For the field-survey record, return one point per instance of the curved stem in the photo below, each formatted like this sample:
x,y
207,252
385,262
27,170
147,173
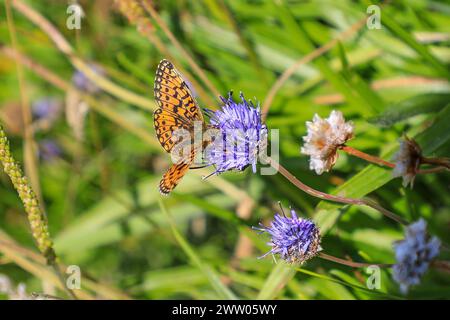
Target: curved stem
x,y
351,263
330,197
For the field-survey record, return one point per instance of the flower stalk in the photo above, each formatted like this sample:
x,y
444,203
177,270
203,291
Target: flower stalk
x,y
442,163
36,218
367,157
352,263
325,196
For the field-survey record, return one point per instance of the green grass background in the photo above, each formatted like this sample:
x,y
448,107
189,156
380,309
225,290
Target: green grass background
x,y
101,195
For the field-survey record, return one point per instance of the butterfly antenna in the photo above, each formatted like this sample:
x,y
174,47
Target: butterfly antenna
x,y
281,208
209,175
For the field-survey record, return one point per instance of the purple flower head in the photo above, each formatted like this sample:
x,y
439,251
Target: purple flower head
x,y
294,239
49,150
83,83
241,135
414,254
46,108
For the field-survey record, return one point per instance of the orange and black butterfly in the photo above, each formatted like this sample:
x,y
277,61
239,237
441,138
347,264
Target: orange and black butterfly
x,y
177,110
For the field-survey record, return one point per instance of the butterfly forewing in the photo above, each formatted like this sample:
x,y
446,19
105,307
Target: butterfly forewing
x,y
177,110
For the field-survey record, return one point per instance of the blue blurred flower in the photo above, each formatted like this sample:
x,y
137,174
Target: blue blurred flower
x,y
241,135
46,108
83,83
294,239
414,254
49,150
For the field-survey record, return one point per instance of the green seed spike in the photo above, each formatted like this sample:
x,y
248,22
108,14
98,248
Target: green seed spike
x,y
36,217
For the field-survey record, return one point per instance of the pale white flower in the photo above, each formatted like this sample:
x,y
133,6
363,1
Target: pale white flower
x,y
407,161
7,288
324,137
414,255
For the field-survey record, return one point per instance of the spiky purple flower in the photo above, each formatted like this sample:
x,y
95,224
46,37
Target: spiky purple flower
x,y
240,138
414,254
294,239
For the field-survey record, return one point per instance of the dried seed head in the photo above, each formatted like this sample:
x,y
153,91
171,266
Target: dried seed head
x,y
407,161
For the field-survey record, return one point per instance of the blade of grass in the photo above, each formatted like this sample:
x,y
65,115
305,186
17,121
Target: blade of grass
x,y
351,285
305,59
337,80
29,147
148,6
425,103
276,281
213,277
34,263
65,47
422,50
214,210
245,41
94,103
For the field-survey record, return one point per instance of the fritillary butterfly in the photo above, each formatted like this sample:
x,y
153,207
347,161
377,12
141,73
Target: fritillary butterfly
x,y
177,110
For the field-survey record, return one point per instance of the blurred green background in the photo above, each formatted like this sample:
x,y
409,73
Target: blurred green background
x,y
96,163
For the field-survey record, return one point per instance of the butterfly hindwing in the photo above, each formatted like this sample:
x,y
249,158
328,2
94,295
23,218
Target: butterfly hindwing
x,y
171,178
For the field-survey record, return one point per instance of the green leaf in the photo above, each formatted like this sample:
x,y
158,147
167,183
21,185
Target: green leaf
x,y
425,103
306,45
213,209
103,223
351,284
406,37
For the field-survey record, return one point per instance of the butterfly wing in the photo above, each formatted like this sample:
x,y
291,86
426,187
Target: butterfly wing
x,y
172,177
173,94
177,110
